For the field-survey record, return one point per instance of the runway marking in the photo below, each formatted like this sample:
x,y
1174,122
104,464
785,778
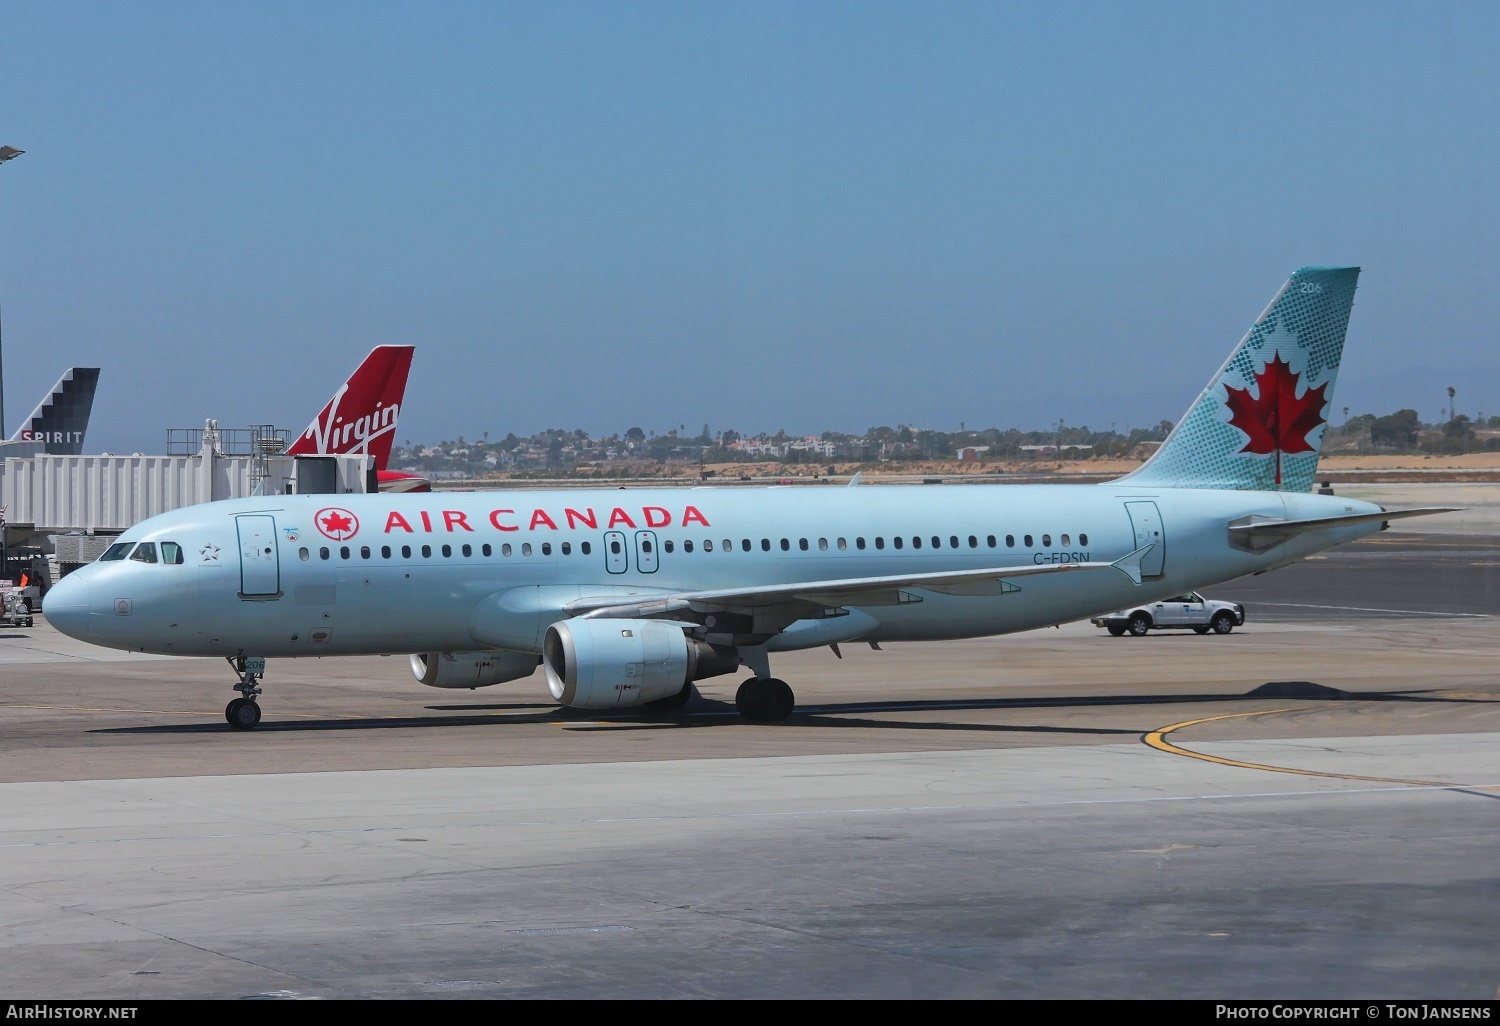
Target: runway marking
x,y
1367,609
1157,739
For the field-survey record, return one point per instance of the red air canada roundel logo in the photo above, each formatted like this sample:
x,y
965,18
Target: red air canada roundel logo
x,y
338,524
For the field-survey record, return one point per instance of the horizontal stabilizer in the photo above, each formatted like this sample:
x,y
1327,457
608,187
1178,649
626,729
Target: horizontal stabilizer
x,y
1281,528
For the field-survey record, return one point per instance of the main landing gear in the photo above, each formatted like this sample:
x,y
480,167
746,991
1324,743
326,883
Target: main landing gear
x,y
764,700
244,713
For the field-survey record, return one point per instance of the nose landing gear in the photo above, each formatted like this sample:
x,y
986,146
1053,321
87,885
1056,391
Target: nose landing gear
x,y
244,713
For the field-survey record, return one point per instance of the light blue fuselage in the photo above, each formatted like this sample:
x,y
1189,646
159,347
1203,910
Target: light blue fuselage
x,y
261,576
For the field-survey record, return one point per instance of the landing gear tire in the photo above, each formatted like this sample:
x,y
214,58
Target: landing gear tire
x,y
765,700
1115,629
1223,623
242,714
1139,625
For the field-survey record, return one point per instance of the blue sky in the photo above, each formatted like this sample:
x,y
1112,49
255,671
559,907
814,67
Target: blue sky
x,y
810,216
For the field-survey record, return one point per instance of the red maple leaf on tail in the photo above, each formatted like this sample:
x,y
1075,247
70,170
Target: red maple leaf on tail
x,y
1277,421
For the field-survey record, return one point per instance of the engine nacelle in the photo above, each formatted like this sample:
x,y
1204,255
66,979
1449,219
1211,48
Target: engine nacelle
x,y
612,664
471,669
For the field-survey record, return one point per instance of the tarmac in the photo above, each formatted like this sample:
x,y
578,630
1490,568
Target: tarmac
x,y
1300,809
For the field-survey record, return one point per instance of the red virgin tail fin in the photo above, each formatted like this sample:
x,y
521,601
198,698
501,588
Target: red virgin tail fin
x,y
361,416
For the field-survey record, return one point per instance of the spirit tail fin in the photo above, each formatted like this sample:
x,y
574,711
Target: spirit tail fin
x,y
61,418
1259,423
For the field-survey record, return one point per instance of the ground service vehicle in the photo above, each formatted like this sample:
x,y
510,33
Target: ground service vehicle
x,y
1180,612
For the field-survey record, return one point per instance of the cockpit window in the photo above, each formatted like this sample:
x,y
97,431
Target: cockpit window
x,y
171,552
119,550
145,552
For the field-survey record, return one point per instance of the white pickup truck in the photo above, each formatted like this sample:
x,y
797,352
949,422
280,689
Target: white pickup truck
x,y
1182,612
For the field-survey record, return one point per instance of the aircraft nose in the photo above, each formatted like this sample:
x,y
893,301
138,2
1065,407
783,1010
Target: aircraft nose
x,y
66,606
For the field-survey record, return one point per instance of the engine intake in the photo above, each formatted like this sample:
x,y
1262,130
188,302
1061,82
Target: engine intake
x,y
614,664
471,669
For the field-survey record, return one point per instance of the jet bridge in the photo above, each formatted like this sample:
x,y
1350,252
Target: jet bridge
x,y
72,506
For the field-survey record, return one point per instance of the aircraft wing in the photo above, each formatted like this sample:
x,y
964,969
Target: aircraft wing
x,y
869,591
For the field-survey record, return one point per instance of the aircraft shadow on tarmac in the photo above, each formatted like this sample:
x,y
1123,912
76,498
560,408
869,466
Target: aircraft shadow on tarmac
x,y
702,712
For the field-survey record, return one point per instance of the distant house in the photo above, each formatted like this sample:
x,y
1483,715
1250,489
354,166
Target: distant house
x,y
972,452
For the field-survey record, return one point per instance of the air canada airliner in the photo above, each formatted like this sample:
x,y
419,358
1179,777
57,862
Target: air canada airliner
x,y
361,418
625,597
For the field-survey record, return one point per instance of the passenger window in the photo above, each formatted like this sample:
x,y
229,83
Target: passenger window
x,y
585,548
171,552
937,542
708,544
567,549
323,552
1027,540
842,544
364,552
526,548
687,545
1010,541
1065,541
666,546
646,547
729,546
802,544
487,551
916,542
505,550
989,540
765,545
547,548
119,550
406,552
1083,539
880,543
973,542
896,541
385,552
145,552
343,552
302,553
447,551
1046,541
426,551
785,545
467,550
614,547
859,543
953,541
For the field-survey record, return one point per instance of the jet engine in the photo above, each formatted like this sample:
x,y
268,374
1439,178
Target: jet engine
x,y
612,664
471,669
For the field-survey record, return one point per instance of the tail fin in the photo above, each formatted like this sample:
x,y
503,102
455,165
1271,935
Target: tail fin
x,y
60,419
361,416
1259,423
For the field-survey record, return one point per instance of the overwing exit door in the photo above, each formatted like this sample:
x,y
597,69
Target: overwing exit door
x,y
645,551
615,557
